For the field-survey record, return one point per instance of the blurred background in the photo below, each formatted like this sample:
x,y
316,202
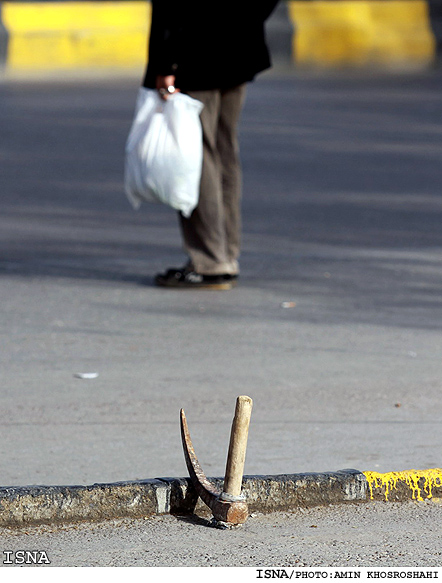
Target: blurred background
x,y
335,328
57,37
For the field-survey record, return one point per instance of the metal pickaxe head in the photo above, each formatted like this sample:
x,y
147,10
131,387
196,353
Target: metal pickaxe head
x,y
227,506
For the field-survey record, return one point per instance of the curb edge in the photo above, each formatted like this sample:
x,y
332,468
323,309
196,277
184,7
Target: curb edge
x,y
33,505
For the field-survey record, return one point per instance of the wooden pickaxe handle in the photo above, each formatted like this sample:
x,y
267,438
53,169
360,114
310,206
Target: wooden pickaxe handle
x,y
237,447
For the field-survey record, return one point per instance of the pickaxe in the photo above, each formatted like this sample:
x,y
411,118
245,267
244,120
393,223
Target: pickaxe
x,y
228,507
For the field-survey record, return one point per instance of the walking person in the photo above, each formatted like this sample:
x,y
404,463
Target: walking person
x,y
210,51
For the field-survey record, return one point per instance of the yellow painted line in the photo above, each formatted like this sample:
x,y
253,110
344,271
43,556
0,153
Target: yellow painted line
x,y
68,35
421,483
361,32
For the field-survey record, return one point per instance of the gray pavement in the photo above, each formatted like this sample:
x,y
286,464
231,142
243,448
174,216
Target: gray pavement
x,y
342,219
393,536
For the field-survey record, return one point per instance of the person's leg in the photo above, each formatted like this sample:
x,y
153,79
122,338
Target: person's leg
x,y
212,234
232,101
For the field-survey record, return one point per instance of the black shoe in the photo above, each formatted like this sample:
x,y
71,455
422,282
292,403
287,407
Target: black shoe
x,y
184,279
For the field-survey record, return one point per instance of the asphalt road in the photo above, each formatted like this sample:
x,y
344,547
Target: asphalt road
x,y
342,222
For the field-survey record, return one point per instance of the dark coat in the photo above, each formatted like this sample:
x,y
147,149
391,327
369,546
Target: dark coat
x,y
208,44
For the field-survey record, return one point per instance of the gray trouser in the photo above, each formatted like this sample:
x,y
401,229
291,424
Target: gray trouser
x,y
212,233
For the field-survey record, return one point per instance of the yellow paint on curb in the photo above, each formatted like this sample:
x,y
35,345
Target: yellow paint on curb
x,y
421,483
330,33
70,35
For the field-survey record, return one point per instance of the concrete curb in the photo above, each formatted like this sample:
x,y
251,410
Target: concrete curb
x,y
21,506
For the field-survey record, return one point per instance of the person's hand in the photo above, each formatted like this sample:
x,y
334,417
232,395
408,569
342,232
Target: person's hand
x,y
166,86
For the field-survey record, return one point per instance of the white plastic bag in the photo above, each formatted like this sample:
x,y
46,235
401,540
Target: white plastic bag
x,y
164,151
